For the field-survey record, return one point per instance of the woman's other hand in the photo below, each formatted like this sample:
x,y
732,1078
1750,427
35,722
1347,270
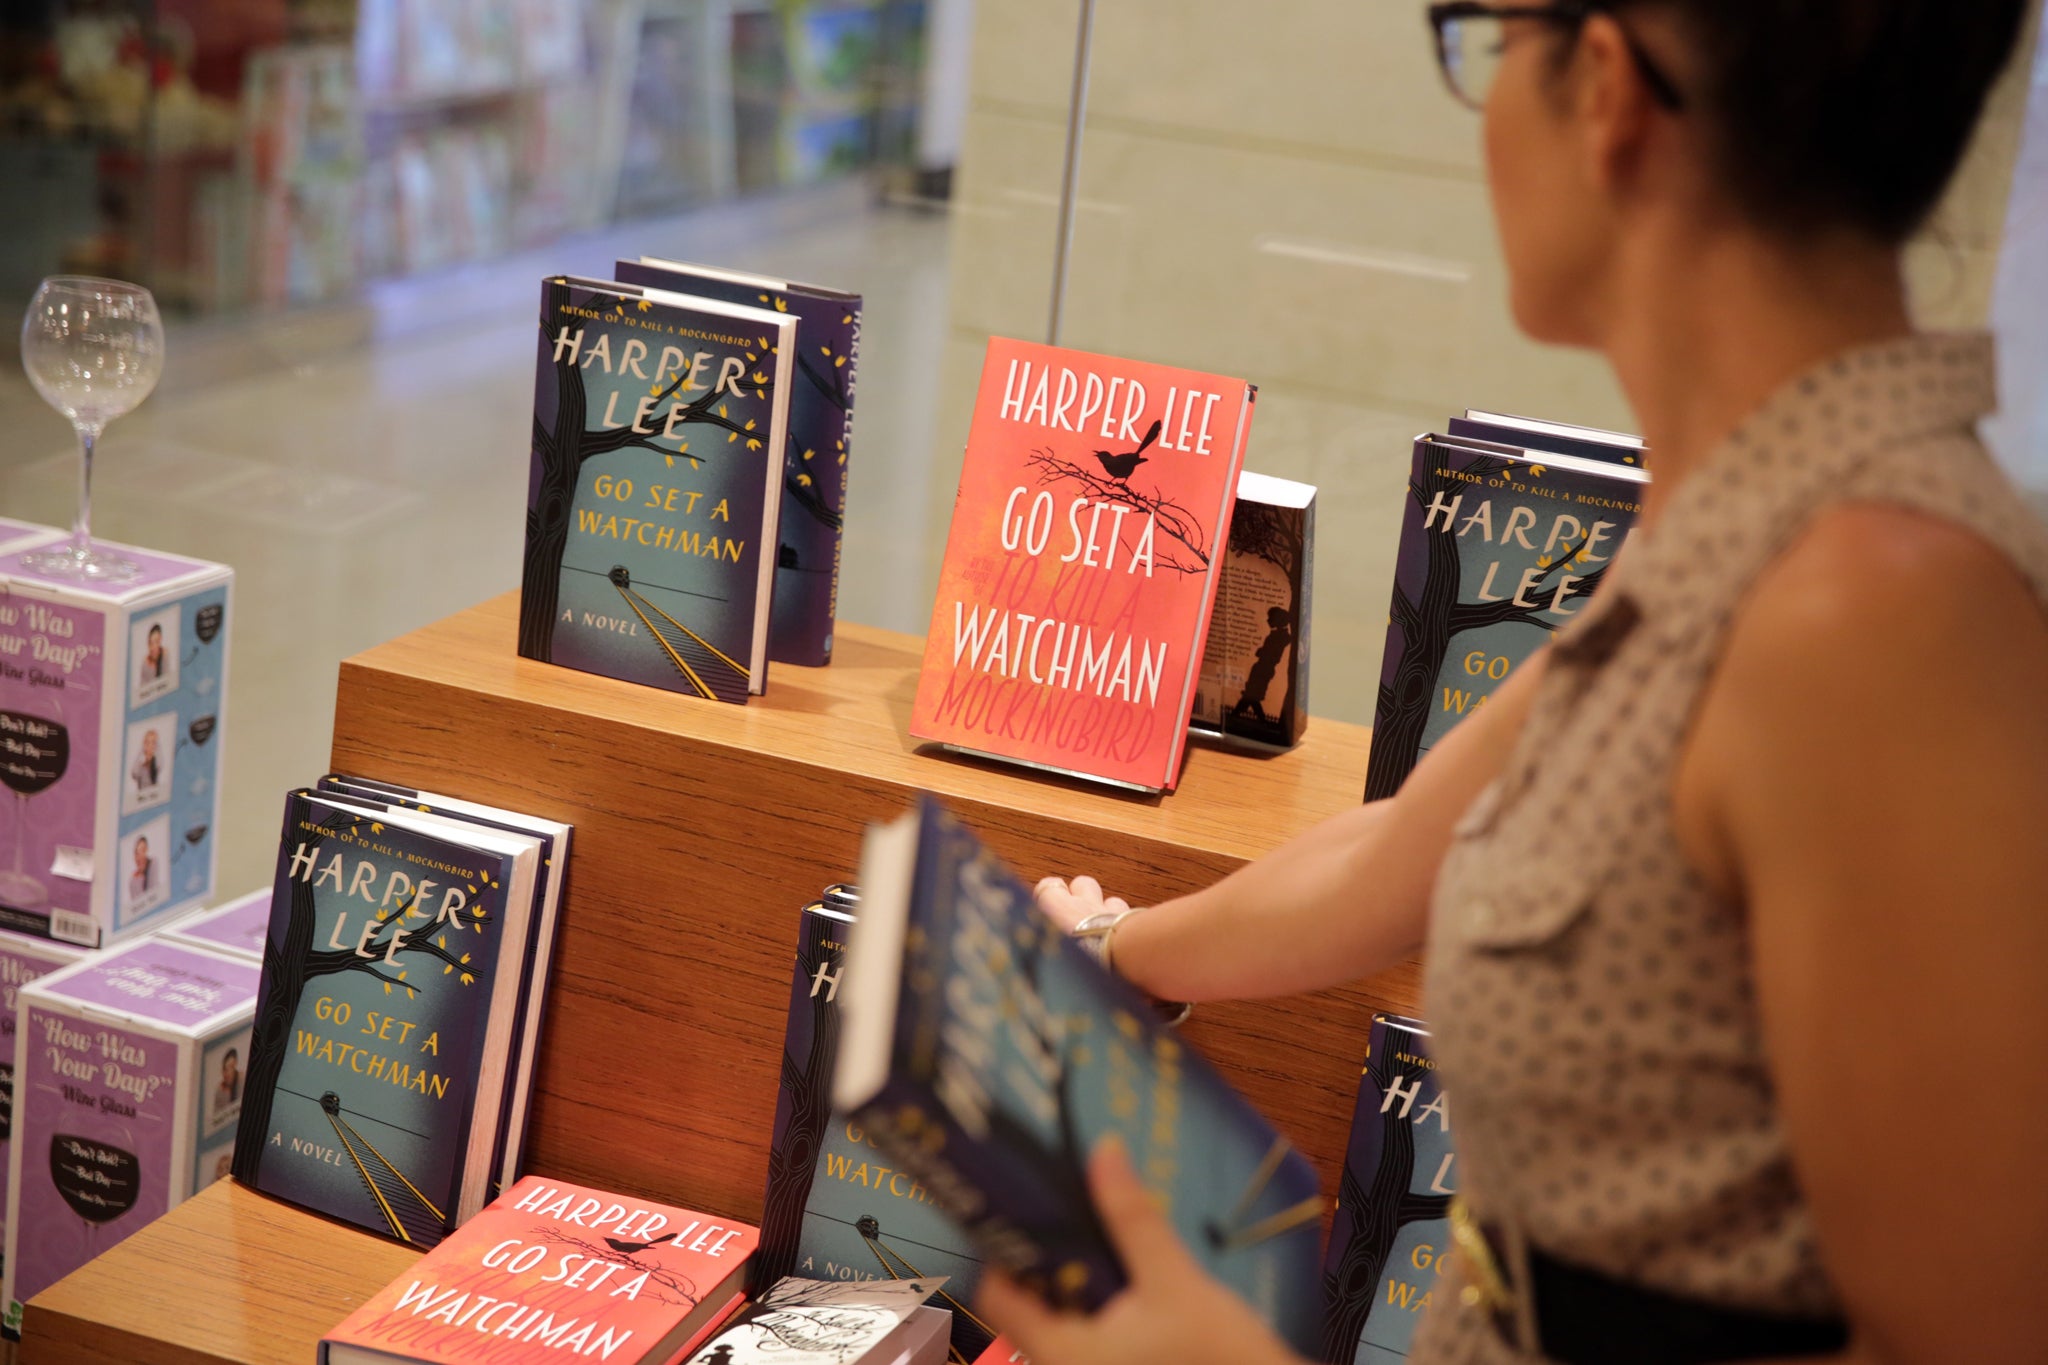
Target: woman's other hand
x,y
1171,1309
1067,903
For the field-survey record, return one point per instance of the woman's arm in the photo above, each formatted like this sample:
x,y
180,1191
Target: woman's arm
x,y
1348,898
1872,763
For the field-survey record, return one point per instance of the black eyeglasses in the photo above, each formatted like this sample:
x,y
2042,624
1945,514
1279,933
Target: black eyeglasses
x,y
1468,45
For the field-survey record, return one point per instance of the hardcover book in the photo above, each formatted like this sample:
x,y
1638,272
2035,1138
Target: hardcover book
x,y
814,456
809,1322
1081,568
837,1208
238,928
390,979
1254,683
128,1080
1559,438
988,1054
1392,1226
530,1009
656,487
112,708
1500,546
553,1271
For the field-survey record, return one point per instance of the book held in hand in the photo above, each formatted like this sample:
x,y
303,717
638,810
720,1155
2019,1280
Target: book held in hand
x,y
128,1079
1392,1226
988,1054
1081,568
837,1208
796,1321
1500,546
1254,686
112,708
385,1028
655,492
553,1271
820,437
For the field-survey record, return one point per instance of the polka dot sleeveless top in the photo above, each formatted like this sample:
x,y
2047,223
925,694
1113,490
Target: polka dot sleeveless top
x,y
1593,1010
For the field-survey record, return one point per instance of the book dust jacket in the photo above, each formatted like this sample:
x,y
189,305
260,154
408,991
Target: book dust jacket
x,y
1499,548
1081,568
553,1271
655,489
377,984
838,1207
1392,1226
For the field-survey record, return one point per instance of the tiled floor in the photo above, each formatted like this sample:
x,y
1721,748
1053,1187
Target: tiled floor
x,y
370,460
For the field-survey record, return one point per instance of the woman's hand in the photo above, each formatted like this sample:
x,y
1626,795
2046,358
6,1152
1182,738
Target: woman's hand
x,y
1171,1309
1067,903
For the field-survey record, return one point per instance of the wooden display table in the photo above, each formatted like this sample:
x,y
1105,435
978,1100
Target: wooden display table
x,y
700,830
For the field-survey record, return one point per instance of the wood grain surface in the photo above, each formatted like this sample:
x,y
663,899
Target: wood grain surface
x,y
701,829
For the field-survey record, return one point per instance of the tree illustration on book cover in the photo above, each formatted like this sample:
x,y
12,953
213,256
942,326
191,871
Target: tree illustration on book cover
x,y
648,492
364,1060
1496,553
1392,1229
1082,563
837,1207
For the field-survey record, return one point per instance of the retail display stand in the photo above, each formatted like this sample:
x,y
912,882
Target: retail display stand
x,y
700,831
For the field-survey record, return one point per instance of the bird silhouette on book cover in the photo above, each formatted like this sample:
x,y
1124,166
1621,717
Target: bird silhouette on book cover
x,y
1082,561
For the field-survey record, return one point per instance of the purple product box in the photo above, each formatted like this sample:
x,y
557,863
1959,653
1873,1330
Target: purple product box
x,y
241,927
128,1084
112,707
22,960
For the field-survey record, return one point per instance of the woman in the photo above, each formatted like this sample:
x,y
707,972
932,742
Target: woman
x,y
1733,896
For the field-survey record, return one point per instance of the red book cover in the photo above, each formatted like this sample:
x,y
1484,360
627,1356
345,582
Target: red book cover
x,y
551,1270
1080,572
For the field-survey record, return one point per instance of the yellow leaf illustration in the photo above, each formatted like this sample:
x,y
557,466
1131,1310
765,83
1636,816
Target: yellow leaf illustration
x,y
837,361
467,979
645,305
1542,561
753,445
387,988
804,479
762,297
750,424
1535,471
721,409
669,460
446,970
683,449
440,940
809,453
731,436
846,321
782,305
376,828
759,378
752,356
827,350
764,343
694,463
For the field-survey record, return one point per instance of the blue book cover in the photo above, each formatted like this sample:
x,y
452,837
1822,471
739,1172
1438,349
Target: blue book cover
x,y
655,488
1500,546
838,1208
807,556
989,1054
375,1021
1392,1226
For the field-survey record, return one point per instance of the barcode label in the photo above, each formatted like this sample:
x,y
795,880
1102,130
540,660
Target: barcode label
x,y
74,928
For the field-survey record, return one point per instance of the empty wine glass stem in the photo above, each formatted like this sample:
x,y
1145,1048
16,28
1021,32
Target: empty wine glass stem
x,y
81,530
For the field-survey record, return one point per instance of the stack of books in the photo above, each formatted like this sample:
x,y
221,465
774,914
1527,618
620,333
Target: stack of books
x,y
688,483
404,972
1510,525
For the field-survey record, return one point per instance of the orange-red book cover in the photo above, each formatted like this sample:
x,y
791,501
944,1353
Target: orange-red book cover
x,y
549,1270
1081,568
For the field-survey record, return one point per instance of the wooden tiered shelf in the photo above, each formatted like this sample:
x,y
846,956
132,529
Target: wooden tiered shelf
x,y
700,830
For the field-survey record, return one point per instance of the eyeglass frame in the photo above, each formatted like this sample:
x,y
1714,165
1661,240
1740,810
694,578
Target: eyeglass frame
x,y
1569,13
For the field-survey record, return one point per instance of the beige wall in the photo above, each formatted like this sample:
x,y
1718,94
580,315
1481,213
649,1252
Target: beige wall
x,y
1284,191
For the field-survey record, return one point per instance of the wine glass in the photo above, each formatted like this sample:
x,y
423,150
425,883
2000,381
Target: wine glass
x,y
93,349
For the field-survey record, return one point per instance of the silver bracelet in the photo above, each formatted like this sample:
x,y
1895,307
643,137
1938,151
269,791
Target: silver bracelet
x,y
1097,934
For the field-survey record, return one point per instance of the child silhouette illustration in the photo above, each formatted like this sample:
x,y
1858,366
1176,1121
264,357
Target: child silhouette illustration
x,y
1279,635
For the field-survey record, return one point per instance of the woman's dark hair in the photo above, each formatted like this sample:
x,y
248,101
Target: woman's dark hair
x,y
1841,113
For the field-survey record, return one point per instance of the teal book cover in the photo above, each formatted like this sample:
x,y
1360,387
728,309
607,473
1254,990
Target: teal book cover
x,y
378,975
1012,1054
1392,1227
655,487
838,1207
1499,548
